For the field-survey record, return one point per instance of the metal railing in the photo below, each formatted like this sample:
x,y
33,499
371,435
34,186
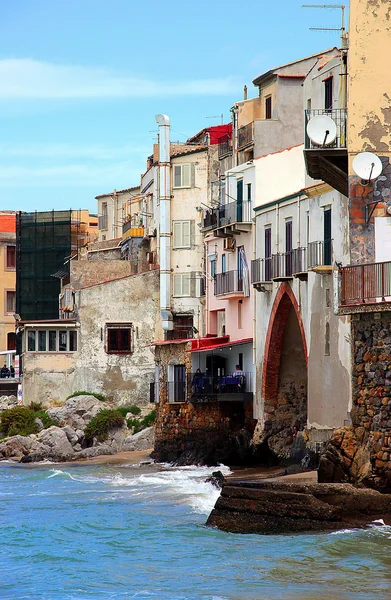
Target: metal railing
x,y
261,270
370,283
320,254
339,116
284,264
225,145
228,283
245,135
228,214
201,386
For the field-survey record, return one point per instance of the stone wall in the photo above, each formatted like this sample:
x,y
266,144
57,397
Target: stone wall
x,y
362,453
208,432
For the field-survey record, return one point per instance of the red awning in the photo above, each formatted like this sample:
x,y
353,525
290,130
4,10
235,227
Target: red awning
x,y
210,344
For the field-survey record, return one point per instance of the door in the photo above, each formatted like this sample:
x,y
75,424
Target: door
x,y
239,200
327,236
268,254
179,383
288,248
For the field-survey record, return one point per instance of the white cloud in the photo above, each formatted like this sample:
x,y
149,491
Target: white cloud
x,y
28,79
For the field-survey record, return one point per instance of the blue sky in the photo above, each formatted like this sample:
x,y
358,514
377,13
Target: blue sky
x,y
81,82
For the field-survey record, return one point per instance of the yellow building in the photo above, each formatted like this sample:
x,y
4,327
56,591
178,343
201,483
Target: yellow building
x,y
7,280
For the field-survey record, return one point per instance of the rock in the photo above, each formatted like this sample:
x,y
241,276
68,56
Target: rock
x,y
8,402
95,451
77,411
39,424
71,434
116,438
17,445
55,444
143,440
285,507
217,479
347,457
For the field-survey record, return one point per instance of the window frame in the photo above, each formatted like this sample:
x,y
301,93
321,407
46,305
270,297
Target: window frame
x,y
6,295
182,167
125,326
268,108
6,249
181,224
47,340
182,293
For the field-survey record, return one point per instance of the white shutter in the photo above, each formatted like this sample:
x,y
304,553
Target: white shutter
x,y
177,234
186,234
177,176
186,181
186,284
177,285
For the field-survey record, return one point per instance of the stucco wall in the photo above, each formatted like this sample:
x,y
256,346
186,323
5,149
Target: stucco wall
x,y
91,272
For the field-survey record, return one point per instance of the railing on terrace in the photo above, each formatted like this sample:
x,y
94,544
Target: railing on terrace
x,y
228,283
197,386
285,264
225,145
320,254
339,116
245,135
228,214
366,284
210,219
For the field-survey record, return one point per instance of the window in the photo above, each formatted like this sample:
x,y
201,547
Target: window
x,y
327,236
240,325
223,263
10,257
10,299
182,231
103,219
213,268
268,107
288,247
328,93
11,341
182,176
182,284
249,192
119,338
268,253
51,340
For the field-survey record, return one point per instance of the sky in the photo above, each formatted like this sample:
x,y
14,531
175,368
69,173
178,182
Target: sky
x,y
82,80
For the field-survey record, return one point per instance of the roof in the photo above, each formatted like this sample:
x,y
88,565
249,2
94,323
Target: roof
x,y
7,223
291,75
217,343
278,151
271,72
188,151
131,189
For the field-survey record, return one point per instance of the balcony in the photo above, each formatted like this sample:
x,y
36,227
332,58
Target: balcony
x,y
366,285
225,146
130,231
199,387
328,162
245,136
234,217
229,284
295,263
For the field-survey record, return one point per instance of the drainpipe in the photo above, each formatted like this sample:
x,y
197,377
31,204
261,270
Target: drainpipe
x,y
165,221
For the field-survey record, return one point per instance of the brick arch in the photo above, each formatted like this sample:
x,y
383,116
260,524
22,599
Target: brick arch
x,y
283,301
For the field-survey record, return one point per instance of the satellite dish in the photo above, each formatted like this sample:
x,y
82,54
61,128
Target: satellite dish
x,y
367,165
322,130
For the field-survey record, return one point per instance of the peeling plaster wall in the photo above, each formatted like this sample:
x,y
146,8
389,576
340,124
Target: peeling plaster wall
x,y
91,272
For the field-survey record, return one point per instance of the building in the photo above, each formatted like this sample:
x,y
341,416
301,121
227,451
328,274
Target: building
x,y
111,212
7,284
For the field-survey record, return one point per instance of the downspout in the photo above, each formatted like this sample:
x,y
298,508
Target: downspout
x,y
165,221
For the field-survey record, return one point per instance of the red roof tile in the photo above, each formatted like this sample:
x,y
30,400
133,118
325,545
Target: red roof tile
x,y
7,223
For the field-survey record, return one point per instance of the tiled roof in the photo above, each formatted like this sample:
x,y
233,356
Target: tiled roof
x,y
7,223
179,152
132,189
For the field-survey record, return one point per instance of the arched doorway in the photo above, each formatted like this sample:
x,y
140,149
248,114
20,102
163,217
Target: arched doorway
x,y
284,381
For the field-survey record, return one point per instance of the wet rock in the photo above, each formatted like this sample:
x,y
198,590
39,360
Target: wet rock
x,y
217,479
285,507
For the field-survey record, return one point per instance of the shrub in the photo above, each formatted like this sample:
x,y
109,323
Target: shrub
x,y
35,406
149,419
18,420
138,425
134,424
100,425
101,397
44,417
124,410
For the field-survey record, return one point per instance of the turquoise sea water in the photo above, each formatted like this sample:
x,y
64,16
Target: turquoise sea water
x,y
138,532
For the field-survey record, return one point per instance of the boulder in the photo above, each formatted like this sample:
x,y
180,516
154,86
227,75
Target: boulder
x,y
18,445
77,411
347,457
143,440
55,444
285,507
8,402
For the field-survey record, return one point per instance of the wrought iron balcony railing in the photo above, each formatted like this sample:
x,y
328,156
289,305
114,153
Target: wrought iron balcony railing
x,y
339,116
366,284
228,283
225,145
245,135
201,386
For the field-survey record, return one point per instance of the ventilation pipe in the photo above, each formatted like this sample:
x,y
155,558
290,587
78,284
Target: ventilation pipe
x,y
165,221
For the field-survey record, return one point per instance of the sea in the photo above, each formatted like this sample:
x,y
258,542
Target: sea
x,y
138,531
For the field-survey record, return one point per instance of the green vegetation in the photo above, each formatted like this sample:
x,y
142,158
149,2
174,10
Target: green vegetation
x,y
101,397
124,410
100,425
20,420
140,424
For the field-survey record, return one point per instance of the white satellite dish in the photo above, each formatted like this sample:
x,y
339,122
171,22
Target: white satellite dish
x,y
322,130
367,165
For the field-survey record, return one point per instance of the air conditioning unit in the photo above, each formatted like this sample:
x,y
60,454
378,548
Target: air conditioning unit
x,y
230,244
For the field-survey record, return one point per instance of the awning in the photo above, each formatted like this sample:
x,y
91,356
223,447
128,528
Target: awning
x,y
210,344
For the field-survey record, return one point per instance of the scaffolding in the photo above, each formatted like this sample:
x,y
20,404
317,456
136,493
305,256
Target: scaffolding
x,y
43,248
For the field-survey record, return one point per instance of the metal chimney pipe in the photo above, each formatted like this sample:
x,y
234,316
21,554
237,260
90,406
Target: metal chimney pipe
x,y
165,221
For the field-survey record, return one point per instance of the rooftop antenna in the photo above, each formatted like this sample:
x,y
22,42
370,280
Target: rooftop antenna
x,y
331,6
217,117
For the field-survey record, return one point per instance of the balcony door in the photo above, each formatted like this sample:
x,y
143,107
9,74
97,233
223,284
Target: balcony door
x,y
239,200
268,254
179,383
288,248
327,236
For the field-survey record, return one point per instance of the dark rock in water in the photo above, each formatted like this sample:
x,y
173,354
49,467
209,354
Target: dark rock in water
x,y
286,507
217,479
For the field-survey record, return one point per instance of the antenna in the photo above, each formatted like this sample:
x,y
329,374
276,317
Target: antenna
x,y
321,130
217,117
368,166
331,6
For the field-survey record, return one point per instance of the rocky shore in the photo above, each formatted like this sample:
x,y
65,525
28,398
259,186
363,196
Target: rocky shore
x,y
266,507
66,441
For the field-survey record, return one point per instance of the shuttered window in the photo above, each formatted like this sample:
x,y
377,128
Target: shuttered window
x,y
183,176
182,284
182,233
